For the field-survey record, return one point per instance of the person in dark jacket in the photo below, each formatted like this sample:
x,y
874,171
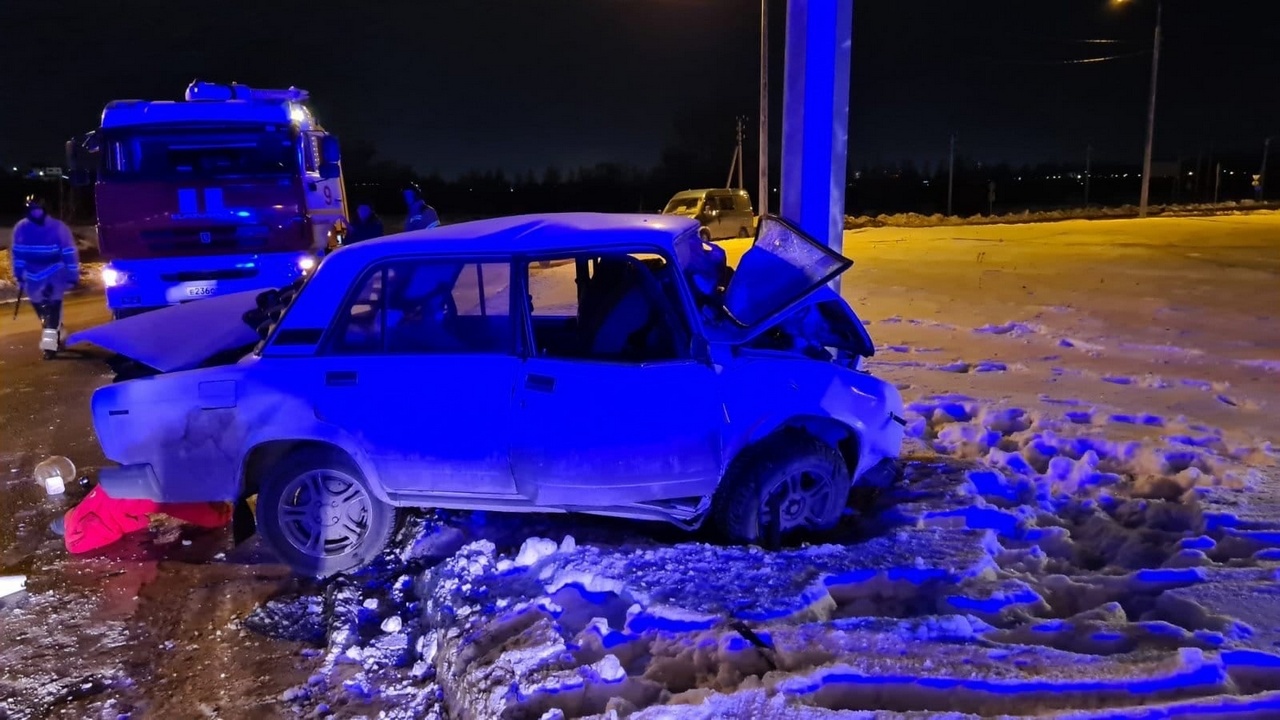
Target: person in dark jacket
x,y
421,215
46,263
366,225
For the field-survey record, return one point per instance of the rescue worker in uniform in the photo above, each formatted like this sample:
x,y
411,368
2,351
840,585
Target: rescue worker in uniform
x,y
366,225
46,264
421,215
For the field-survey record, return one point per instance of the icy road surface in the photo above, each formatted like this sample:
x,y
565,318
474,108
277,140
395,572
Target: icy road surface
x,y
1089,527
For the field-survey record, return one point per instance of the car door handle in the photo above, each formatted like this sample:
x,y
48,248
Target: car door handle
x,y
340,378
540,383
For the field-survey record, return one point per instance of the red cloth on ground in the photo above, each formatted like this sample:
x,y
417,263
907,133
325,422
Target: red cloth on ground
x,y
100,519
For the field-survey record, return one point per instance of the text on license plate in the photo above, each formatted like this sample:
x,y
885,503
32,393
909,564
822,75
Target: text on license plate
x,y
201,290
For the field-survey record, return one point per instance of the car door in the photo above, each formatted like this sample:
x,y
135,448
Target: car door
x,y
598,421
420,367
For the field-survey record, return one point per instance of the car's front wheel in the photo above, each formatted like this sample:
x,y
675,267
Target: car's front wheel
x,y
317,512
787,483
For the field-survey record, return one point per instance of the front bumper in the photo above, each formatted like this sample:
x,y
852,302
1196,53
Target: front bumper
x,y
131,482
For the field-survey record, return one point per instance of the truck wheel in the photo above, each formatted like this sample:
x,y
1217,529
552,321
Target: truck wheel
x,y
791,481
317,512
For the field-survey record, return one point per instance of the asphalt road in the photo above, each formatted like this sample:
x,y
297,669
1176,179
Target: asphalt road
x,y
147,626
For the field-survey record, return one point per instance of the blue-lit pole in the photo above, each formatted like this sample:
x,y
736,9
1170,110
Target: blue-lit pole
x,y
815,117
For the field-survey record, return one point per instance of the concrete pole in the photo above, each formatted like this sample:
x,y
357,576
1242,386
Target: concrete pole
x,y
815,118
762,200
1151,117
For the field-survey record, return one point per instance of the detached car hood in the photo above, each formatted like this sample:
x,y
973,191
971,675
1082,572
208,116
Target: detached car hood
x,y
179,337
783,268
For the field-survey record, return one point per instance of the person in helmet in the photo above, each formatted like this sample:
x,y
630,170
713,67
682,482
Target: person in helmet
x,y
421,215
46,264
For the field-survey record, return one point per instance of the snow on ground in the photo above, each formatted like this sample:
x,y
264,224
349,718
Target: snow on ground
x,y
1088,524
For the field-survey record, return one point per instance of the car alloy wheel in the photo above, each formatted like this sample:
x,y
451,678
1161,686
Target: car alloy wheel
x,y
324,513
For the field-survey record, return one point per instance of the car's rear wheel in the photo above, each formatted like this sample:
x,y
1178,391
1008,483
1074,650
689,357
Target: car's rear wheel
x,y
705,234
317,512
787,483
743,232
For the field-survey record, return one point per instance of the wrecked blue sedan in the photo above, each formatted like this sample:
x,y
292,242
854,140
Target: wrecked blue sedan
x,y
606,364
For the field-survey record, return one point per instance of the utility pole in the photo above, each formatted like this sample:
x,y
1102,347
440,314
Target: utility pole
x,y
1151,116
1262,173
1088,172
741,160
815,118
1217,183
736,163
762,201
951,172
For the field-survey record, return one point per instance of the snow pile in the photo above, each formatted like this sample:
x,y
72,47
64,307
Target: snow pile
x,y
1047,459
916,220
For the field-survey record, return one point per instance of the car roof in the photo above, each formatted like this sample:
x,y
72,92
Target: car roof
x,y
543,233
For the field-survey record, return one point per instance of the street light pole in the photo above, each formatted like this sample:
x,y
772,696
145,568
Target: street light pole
x,y
1151,116
763,198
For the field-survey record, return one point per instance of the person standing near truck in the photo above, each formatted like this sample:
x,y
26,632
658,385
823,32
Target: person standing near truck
x,y
46,264
421,215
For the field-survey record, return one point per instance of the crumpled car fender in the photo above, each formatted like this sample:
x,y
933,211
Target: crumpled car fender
x,y
787,392
294,424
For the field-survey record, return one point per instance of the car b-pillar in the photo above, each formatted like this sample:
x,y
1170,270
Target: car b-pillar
x,y
815,117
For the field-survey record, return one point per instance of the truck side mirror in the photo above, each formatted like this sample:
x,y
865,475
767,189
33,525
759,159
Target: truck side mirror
x,y
82,159
330,157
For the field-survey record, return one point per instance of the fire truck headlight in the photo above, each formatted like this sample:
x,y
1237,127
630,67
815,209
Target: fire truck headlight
x,y
112,277
307,263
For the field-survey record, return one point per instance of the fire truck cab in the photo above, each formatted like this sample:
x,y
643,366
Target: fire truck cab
x,y
232,189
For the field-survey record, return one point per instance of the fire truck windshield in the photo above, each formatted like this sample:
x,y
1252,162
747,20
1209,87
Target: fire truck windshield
x,y
209,152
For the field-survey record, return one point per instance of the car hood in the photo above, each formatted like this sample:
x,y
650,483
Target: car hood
x,y
179,337
783,267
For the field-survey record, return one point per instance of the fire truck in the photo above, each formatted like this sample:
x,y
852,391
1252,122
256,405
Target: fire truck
x,y
231,189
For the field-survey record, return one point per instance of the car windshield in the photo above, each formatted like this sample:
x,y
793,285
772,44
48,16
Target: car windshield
x,y
154,154
682,205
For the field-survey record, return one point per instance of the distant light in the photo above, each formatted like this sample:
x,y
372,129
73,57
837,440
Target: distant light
x,y
307,263
243,213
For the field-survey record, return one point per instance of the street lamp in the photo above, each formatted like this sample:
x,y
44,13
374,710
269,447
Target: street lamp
x,y
1151,109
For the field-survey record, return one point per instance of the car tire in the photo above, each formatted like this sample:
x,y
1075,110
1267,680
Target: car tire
x,y
318,513
793,471
705,234
744,233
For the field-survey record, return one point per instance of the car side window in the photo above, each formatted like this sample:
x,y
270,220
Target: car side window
x,y
428,307
610,307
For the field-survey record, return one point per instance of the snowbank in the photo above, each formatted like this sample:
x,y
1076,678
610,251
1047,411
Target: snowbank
x,y
916,220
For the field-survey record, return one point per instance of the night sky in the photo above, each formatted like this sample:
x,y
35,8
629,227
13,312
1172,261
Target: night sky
x,y
453,85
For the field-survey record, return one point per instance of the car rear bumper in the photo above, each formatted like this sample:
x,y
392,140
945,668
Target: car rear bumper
x,y
131,482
